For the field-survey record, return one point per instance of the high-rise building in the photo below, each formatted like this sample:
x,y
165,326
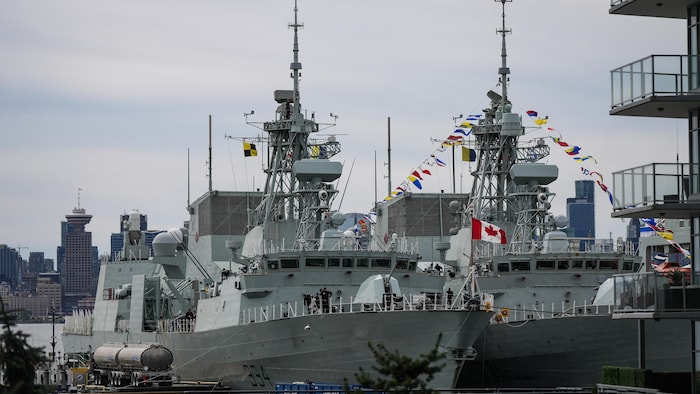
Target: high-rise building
x,y
581,211
34,266
61,250
36,262
78,258
664,190
9,265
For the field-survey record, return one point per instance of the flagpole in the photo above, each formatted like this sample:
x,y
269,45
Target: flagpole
x,y
454,188
210,181
388,151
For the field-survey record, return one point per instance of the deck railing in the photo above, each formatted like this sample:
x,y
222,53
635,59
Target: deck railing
x,y
78,325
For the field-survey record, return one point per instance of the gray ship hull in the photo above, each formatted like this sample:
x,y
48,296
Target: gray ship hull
x,y
571,351
320,348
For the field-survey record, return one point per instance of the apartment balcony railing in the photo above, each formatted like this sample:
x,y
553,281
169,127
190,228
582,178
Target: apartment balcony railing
x,y
654,295
655,75
652,184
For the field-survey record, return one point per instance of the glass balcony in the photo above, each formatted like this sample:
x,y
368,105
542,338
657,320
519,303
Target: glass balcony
x,y
654,294
670,9
651,184
655,75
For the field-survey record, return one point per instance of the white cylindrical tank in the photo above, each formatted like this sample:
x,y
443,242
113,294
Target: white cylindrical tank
x,y
133,357
130,356
105,356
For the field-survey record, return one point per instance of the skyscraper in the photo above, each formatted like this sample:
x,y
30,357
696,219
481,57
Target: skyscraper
x,y
581,211
78,256
9,264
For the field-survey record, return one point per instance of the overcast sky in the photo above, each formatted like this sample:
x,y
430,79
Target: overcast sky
x,y
108,97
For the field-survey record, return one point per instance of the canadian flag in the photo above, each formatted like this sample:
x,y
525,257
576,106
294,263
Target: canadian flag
x,y
487,232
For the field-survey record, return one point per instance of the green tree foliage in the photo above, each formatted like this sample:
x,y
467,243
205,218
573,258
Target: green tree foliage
x,y
17,358
402,374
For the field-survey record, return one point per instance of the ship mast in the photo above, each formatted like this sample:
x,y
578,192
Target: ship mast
x,y
288,135
504,70
496,141
508,189
296,197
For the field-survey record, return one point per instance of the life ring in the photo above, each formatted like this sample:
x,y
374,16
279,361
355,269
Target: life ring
x,y
505,312
488,307
499,318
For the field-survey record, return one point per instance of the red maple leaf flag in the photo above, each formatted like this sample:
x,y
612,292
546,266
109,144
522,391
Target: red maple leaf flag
x,y
487,232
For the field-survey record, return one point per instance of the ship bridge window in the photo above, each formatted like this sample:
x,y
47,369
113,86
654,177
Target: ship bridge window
x,y
503,267
545,264
520,265
401,264
289,263
315,262
273,264
627,265
412,265
637,266
577,264
591,265
362,263
563,265
608,265
334,262
347,263
382,263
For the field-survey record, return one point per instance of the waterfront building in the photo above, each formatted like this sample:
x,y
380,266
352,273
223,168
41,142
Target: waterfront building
x,y
79,257
665,86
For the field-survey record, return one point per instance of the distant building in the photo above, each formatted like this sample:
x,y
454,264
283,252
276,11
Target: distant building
x,y
633,233
79,258
9,265
45,287
581,211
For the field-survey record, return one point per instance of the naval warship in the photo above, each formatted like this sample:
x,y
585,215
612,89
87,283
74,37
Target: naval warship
x,y
549,330
261,288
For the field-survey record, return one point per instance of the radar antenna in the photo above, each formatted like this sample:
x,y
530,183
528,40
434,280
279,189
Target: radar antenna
x,y
296,65
504,70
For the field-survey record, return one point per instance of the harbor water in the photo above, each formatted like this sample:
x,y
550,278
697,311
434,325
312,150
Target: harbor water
x,y
40,336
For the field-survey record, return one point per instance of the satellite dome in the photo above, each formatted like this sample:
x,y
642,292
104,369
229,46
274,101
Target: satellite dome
x,y
179,234
561,221
164,244
337,219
